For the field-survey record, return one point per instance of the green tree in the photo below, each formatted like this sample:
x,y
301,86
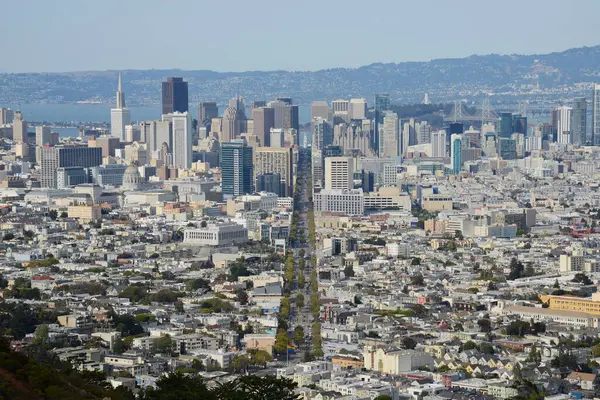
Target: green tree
x,y
119,346
53,214
259,358
281,342
40,336
163,345
241,296
383,397
349,271
409,343
299,335
300,300
239,364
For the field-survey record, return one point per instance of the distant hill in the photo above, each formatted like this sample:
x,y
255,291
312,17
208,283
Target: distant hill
x,y
544,76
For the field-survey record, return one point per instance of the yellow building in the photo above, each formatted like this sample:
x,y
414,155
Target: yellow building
x,y
570,303
85,213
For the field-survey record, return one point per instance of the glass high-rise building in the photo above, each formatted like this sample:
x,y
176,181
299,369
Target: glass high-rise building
x,y
237,168
579,121
174,96
382,103
506,125
595,114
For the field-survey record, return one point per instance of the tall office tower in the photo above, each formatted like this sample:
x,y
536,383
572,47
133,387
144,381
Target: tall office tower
x,y
238,104
285,100
268,160
322,134
19,128
319,109
230,128
357,109
182,140
207,110
263,120
390,140
506,125
423,132
52,158
42,135
519,140
456,152
340,111
473,136
561,124
132,133
237,171
339,173
276,137
438,144
579,121
595,114
108,144
408,136
507,148
257,104
519,124
174,96
120,116
382,103
6,116
280,108
291,117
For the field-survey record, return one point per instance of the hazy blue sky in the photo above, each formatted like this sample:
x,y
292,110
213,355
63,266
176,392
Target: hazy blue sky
x,y
238,35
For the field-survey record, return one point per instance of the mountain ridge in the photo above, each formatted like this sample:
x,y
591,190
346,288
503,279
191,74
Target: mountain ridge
x,y
545,76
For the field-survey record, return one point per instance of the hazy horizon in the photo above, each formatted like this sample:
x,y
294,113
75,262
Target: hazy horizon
x,y
75,36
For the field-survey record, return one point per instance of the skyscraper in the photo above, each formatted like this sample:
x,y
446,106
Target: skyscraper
x,y
506,125
174,96
6,116
19,128
595,114
42,135
236,168
207,110
561,124
230,128
322,134
51,158
438,144
390,140
339,173
357,109
382,103
456,152
268,160
120,116
319,109
264,120
182,140
519,124
579,121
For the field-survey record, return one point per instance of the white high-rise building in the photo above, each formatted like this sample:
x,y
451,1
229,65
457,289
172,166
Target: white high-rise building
x,y
120,116
438,142
182,139
595,114
357,109
389,145
339,173
561,121
42,135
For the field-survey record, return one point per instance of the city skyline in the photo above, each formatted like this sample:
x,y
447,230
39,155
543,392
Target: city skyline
x,y
65,38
